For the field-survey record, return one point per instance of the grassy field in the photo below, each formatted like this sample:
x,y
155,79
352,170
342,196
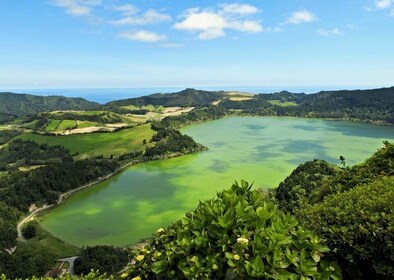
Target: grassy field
x,y
52,243
66,124
30,125
94,144
151,108
282,104
83,124
53,125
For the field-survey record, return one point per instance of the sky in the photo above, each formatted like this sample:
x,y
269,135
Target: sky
x,y
182,43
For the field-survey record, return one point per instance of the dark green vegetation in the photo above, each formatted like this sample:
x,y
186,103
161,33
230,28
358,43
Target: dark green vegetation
x,y
238,235
195,116
43,185
185,98
59,172
376,105
27,260
105,259
20,153
350,208
7,135
8,219
26,104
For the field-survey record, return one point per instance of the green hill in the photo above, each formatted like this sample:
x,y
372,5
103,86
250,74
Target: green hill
x,y
26,104
184,98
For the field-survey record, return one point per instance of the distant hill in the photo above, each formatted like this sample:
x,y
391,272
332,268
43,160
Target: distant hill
x,y
26,104
381,99
185,98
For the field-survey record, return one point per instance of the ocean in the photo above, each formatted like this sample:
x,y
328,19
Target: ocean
x,y
104,95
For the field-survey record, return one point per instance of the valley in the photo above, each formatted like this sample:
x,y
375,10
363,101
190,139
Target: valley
x,y
148,160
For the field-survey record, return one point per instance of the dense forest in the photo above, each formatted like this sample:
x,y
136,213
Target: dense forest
x,y
20,153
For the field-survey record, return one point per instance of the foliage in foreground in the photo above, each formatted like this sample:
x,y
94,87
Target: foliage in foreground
x,y
238,235
104,259
94,275
358,226
351,208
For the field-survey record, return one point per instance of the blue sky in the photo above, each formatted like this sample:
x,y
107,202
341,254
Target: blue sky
x,y
157,43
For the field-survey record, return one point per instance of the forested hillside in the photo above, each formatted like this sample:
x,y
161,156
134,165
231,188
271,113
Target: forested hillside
x,y
184,98
375,105
351,208
26,104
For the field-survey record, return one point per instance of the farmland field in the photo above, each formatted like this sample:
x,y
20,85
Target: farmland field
x,y
94,144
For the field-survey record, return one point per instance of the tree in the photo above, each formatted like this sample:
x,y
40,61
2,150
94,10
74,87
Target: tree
x,y
343,161
29,231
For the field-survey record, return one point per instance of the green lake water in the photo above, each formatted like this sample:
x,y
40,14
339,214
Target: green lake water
x,y
264,150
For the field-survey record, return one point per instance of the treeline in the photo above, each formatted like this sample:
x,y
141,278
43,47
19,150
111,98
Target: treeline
x,y
43,185
19,190
19,153
186,98
172,141
104,117
194,116
375,105
351,208
7,135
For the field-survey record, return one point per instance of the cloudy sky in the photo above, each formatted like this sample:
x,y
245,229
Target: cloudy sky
x,y
157,43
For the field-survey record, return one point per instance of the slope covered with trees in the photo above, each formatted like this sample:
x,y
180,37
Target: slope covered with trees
x,y
351,208
185,98
26,104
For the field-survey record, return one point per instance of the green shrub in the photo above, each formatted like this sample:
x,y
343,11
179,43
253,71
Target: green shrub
x,y
298,188
29,231
358,226
238,235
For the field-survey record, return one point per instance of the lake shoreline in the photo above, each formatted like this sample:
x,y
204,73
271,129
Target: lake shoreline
x,y
64,196
68,194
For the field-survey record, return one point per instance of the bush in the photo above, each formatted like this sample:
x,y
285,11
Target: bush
x,y
29,231
358,226
238,235
297,189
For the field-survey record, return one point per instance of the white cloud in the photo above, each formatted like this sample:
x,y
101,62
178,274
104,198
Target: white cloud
x,y
77,7
332,32
143,36
127,9
383,4
210,24
242,9
131,16
301,16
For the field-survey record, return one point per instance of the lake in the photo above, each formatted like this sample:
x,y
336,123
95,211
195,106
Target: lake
x,y
134,204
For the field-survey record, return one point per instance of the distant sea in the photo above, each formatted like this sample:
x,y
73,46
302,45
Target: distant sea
x,y
104,95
